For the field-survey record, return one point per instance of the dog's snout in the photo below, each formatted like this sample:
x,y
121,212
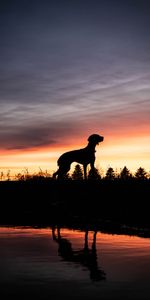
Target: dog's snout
x,y
101,138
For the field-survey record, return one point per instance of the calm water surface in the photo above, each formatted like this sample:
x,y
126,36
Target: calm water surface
x,y
54,264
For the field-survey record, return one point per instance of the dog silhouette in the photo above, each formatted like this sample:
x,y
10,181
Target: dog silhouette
x,y
82,156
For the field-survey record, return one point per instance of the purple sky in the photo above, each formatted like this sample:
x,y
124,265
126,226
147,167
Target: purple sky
x,y
70,66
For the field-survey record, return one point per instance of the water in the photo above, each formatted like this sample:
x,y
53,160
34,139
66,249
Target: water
x,y
71,264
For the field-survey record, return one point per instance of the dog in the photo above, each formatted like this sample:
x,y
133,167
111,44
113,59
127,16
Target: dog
x,y
82,156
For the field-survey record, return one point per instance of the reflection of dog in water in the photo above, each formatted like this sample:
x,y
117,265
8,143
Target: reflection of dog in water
x,y
83,156
86,257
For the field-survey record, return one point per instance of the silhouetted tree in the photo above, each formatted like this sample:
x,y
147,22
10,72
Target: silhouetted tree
x,y
94,174
141,173
125,173
77,173
110,174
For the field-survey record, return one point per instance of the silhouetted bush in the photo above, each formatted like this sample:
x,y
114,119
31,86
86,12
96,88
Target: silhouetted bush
x,y
141,174
77,173
94,174
110,174
125,174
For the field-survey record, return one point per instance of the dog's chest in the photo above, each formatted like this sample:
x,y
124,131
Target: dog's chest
x,y
88,156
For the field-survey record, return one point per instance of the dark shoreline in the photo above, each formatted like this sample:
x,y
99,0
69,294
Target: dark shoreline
x,y
120,207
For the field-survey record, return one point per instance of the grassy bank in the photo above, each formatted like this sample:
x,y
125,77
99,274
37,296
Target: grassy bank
x,y
104,204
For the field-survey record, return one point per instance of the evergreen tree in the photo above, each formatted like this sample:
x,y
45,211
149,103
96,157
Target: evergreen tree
x,y
141,173
110,174
94,174
125,173
77,173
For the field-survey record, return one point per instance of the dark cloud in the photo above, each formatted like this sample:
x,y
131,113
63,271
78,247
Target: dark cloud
x,y
37,135
68,65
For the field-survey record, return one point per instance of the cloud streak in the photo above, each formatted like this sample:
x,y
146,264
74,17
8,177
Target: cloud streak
x,y
60,77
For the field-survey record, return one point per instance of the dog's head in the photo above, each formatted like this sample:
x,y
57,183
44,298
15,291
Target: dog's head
x,y
95,139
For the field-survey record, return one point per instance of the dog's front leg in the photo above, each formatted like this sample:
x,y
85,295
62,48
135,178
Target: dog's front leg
x,y
92,164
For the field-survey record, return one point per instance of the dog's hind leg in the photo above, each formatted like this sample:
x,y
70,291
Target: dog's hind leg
x,y
62,171
55,174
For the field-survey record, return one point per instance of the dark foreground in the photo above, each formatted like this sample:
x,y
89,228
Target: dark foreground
x,y
119,206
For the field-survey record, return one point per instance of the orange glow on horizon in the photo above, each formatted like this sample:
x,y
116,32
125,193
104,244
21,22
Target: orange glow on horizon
x,y
131,151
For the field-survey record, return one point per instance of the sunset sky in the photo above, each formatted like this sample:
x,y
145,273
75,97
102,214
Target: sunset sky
x,y
70,68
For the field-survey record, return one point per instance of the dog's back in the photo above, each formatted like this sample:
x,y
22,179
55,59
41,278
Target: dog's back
x,y
82,156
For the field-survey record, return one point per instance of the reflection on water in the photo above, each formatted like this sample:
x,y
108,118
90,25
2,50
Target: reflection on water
x,y
57,263
85,256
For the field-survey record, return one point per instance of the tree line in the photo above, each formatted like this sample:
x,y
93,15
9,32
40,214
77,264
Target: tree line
x,y
77,174
95,174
